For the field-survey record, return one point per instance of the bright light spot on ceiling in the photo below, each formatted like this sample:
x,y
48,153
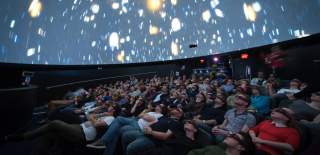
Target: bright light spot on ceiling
x,y
154,5
206,15
153,30
115,5
95,8
249,12
175,24
35,8
174,48
219,13
114,40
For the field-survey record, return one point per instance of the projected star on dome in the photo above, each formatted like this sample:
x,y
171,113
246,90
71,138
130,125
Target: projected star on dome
x,y
35,8
154,5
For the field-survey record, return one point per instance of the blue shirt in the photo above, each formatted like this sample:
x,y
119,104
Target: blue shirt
x,y
261,104
228,88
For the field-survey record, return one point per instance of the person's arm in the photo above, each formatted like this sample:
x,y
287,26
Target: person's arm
x,y
210,122
223,124
148,118
278,145
97,123
133,109
157,134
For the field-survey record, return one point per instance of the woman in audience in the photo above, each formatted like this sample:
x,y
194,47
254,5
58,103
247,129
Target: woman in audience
x,y
234,144
276,136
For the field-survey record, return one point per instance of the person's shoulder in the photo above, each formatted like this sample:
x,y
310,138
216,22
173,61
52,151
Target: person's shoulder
x,y
250,115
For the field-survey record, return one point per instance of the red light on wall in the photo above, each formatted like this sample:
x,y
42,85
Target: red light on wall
x,y
244,56
201,61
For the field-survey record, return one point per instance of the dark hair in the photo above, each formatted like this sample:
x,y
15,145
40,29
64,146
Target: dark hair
x,y
291,122
247,143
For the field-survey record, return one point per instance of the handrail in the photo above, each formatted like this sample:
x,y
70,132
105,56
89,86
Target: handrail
x,y
85,81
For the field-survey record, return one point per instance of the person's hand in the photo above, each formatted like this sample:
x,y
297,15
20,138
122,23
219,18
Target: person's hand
x,y
78,111
197,120
257,140
218,131
147,130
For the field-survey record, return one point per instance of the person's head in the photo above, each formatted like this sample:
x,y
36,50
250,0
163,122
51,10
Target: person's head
x,y
242,101
189,126
77,98
200,98
241,142
174,94
260,75
194,87
164,89
176,112
220,101
114,109
282,115
150,106
160,108
206,81
229,82
315,97
255,90
295,84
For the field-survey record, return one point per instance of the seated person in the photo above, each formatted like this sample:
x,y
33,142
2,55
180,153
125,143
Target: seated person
x,y
231,99
236,119
121,124
228,87
284,94
212,115
233,144
276,136
258,80
178,145
301,110
136,107
70,133
259,102
156,134
313,142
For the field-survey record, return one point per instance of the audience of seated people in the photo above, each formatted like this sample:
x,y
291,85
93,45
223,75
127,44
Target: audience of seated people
x,y
170,116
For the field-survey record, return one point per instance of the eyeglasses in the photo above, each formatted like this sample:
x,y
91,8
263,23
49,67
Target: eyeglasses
x,y
282,111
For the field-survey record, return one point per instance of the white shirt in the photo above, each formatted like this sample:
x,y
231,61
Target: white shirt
x,y
142,123
157,98
90,131
288,91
